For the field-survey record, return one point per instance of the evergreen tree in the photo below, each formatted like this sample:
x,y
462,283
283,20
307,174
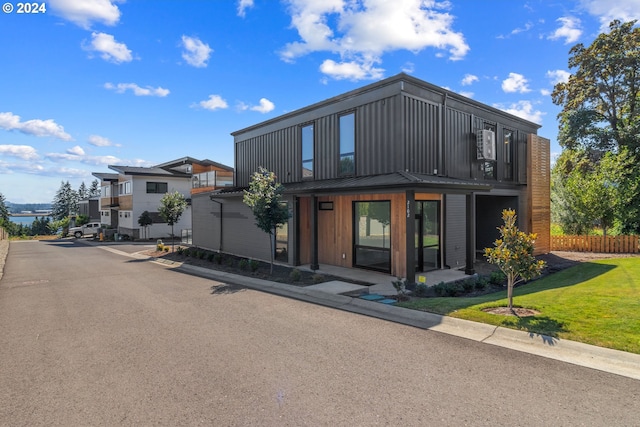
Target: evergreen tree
x,y
4,211
94,190
65,202
83,192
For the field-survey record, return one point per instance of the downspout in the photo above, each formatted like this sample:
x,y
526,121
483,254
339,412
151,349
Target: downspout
x,y
443,134
220,236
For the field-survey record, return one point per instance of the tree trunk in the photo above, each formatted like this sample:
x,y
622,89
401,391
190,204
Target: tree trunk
x,y
272,238
510,292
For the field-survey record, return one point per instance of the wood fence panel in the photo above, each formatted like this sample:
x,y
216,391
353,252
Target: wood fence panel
x,y
598,244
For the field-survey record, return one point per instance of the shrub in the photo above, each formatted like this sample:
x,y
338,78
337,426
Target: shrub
x,y
187,252
440,289
166,248
469,284
217,258
160,247
180,250
295,275
253,265
202,254
243,264
211,256
317,278
482,283
421,290
453,289
497,278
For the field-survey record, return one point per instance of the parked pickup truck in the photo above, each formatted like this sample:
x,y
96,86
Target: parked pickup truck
x,y
90,228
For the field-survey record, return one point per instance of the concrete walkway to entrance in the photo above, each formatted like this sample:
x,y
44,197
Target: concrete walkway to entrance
x,y
382,283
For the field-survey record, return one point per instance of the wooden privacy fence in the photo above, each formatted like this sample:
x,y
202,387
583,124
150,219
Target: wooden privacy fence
x,y
609,244
3,234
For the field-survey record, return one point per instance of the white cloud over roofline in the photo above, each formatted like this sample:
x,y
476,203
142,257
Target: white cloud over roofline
x,y
515,83
361,31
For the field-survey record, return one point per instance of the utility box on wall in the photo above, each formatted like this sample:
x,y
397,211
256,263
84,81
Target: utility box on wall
x,y
486,144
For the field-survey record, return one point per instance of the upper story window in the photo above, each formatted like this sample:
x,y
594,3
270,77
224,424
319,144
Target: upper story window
x,y
508,147
106,191
347,144
307,151
157,187
124,188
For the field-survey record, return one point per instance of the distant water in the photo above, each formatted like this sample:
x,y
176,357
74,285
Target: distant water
x,y
25,220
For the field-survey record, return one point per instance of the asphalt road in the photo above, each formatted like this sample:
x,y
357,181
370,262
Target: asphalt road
x,y
93,338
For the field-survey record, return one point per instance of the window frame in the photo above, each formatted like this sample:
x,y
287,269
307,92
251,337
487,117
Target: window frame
x,y
303,143
343,154
156,186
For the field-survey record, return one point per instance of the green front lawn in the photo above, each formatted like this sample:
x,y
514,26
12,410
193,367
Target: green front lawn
x,y
596,303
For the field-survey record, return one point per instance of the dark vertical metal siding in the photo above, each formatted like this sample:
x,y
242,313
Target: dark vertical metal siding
x,y
277,151
327,147
455,230
376,142
421,130
459,144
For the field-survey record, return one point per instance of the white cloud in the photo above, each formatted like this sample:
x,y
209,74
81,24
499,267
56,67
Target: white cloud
x,y
353,70
467,94
523,109
81,157
243,5
24,152
607,11
264,107
77,150
36,127
85,12
569,30
196,52
109,49
362,31
515,83
558,76
100,141
215,102
137,90
545,92
469,79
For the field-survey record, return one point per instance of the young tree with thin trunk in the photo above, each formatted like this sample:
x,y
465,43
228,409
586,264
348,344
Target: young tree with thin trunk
x,y
513,254
172,205
264,198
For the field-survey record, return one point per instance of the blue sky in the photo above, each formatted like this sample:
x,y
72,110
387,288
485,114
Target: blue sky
x,y
89,83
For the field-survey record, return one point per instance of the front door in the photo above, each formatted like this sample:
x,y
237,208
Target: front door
x,y
427,236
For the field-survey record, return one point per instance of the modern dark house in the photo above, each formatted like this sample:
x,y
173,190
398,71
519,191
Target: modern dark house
x,y
399,176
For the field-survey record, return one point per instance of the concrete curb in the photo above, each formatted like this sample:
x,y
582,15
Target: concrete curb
x,y
603,359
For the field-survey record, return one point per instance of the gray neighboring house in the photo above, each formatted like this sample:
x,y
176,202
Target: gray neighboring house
x,y
399,176
91,208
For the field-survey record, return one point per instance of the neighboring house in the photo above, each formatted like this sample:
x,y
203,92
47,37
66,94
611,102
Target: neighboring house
x,y
91,208
126,194
399,176
206,176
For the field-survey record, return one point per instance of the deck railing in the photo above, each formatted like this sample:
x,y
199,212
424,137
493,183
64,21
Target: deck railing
x,y
609,244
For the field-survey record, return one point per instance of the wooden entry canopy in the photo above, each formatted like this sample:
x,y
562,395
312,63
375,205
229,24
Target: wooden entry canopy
x,y
401,188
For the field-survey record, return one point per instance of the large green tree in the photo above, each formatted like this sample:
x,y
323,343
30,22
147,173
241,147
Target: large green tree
x,y
264,197
4,211
601,114
65,202
94,190
172,206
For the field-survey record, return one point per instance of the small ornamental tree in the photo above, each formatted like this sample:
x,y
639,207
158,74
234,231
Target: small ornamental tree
x,y
172,205
264,198
145,221
513,254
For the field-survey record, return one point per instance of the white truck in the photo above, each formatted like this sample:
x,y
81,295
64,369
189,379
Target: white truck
x,y
91,228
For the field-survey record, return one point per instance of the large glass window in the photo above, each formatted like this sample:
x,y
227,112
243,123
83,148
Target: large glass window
x,y
427,235
307,151
489,166
372,235
157,187
347,144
